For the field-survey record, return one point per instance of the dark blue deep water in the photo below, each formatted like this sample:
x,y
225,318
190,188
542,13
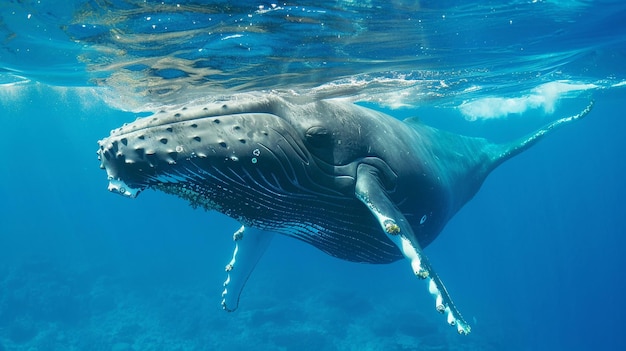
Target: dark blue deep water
x,y
535,261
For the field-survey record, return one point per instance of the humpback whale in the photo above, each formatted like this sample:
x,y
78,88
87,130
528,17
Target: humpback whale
x,y
355,183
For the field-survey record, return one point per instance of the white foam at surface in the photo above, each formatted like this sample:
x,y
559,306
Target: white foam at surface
x,y
544,96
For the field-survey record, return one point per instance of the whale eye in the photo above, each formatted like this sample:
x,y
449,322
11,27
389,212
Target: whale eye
x,y
318,137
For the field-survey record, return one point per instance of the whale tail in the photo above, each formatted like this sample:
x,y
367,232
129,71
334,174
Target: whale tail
x,y
503,152
480,156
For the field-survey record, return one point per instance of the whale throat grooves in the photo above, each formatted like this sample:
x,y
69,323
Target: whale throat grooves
x,y
337,225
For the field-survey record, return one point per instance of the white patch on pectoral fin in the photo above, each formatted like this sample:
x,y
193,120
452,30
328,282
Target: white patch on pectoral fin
x,y
250,244
370,191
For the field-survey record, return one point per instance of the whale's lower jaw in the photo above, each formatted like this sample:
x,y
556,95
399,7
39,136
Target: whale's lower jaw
x,y
337,225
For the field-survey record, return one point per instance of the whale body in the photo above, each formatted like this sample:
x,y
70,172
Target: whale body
x,y
356,183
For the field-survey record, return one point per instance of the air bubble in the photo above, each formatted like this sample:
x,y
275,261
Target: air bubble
x,y
256,152
423,219
254,160
179,148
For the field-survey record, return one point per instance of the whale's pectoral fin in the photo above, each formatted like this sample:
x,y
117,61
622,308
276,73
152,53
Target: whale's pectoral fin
x,y
250,244
370,191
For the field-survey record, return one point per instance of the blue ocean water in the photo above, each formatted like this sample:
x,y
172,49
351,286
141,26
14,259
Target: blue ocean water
x,y
534,261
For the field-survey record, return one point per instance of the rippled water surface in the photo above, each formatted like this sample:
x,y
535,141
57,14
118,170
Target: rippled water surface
x,y
409,53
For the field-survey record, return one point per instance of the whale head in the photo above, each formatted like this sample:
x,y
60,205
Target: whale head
x,y
198,143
